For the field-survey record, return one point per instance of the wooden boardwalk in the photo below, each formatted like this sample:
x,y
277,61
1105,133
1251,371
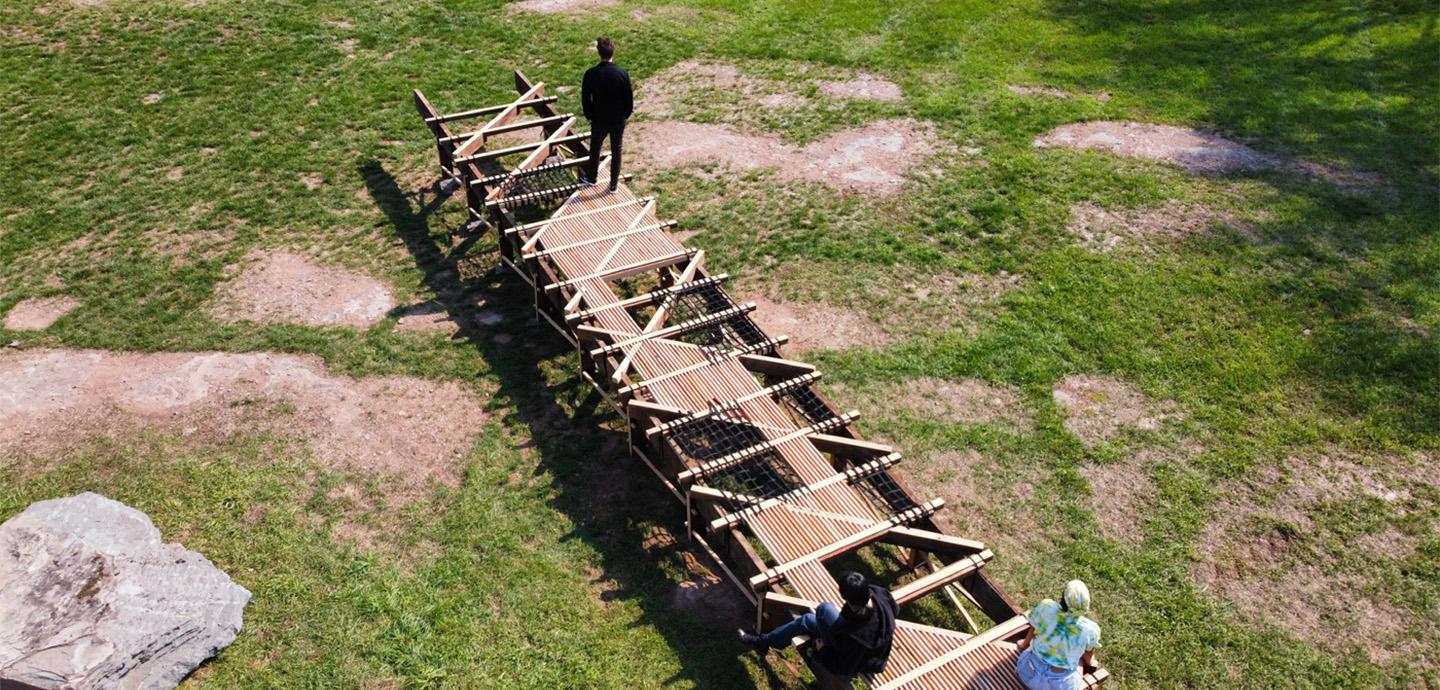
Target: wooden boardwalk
x,y
740,434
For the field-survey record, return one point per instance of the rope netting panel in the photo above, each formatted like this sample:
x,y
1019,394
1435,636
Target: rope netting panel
x,y
804,401
885,493
539,185
735,331
765,474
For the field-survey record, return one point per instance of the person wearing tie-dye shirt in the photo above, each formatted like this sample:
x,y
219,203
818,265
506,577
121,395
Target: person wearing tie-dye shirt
x,y
1061,643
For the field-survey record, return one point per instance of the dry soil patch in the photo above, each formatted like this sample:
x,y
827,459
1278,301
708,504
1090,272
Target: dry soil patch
x,y
817,326
1120,491
427,317
288,288
1098,408
872,158
667,93
37,314
1194,150
1100,230
966,402
1246,558
560,6
410,427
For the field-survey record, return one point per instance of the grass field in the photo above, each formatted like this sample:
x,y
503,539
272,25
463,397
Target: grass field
x,y
148,146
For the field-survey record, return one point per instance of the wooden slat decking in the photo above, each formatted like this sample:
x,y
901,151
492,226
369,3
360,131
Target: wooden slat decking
x,y
575,259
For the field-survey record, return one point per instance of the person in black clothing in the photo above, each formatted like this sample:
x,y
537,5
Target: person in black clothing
x,y
852,640
608,100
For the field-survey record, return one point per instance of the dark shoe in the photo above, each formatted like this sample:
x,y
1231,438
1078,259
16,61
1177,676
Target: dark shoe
x,y
586,182
754,642
614,187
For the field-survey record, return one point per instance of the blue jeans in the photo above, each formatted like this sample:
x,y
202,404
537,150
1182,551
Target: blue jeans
x,y
1038,675
816,625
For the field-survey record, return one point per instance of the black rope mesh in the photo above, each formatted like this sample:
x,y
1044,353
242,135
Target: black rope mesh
x,y
765,474
539,185
885,493
735,331
804,401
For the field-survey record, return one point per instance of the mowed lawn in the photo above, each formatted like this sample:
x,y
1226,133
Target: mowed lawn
x,y
1281,518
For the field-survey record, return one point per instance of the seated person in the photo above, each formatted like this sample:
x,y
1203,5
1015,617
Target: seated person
x,y
852,640
1061,643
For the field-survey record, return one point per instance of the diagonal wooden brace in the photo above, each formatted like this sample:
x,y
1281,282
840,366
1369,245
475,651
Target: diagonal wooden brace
x,y
854,541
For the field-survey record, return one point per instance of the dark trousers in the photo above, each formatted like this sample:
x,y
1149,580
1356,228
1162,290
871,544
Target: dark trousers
x,y
598,132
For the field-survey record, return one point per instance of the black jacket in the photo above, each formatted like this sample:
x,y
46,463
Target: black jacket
x,y
605,93
861,644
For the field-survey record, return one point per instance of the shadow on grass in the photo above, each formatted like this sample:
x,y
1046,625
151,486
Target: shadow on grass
x,y
614,501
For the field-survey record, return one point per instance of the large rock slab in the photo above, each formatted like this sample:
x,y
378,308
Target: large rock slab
x,y
91,598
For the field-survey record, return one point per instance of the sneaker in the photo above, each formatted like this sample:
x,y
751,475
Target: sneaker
x,y
754,642
586,182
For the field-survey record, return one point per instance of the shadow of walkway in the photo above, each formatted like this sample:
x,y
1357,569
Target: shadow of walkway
x,y
615,502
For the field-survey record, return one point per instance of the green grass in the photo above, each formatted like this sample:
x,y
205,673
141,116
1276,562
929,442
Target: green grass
x,y
1312,333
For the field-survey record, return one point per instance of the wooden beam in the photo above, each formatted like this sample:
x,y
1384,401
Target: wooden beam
x,y
465,115
521,148
775,366
850,448
911,591
504,116
652,296
738,352
626,270
774,574
692,324
850,475
514,127
638,409
685,276
933,542
739,456
603,238
995,634
535,158
562,165
771,390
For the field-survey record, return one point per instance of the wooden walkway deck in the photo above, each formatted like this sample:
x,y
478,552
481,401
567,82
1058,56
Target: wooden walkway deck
x,y
739,433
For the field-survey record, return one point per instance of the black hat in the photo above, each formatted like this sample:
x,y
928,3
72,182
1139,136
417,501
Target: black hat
x,y
854,589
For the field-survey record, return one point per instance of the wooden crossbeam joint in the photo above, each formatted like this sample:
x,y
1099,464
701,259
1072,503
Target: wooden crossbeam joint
x,y
739,456
773,575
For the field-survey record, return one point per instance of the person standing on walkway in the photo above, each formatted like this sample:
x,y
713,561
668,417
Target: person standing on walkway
x,y
1061,643
607,100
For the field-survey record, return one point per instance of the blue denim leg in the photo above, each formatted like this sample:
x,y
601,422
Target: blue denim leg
x,y
1037,675
812,624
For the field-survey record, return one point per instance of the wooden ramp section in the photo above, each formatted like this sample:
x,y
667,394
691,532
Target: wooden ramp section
x,y
739,433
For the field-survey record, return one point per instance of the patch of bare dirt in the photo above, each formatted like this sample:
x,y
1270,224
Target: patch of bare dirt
x,y
872,158
427,317
817,326
560,6
1100,229
1260,548
1120,490
1196,151
967,402
682,87
1098,408
37,314
288,288
404,426
987,501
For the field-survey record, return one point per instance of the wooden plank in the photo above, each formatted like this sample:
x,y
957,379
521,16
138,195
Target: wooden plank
x,y
848,447
685,276
683,327
626,270
933,542
739,352
545,224
775,366
467,114
520,148
548,251
854,541
652,296
504,116
911,591
999,632
535,158
768,391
